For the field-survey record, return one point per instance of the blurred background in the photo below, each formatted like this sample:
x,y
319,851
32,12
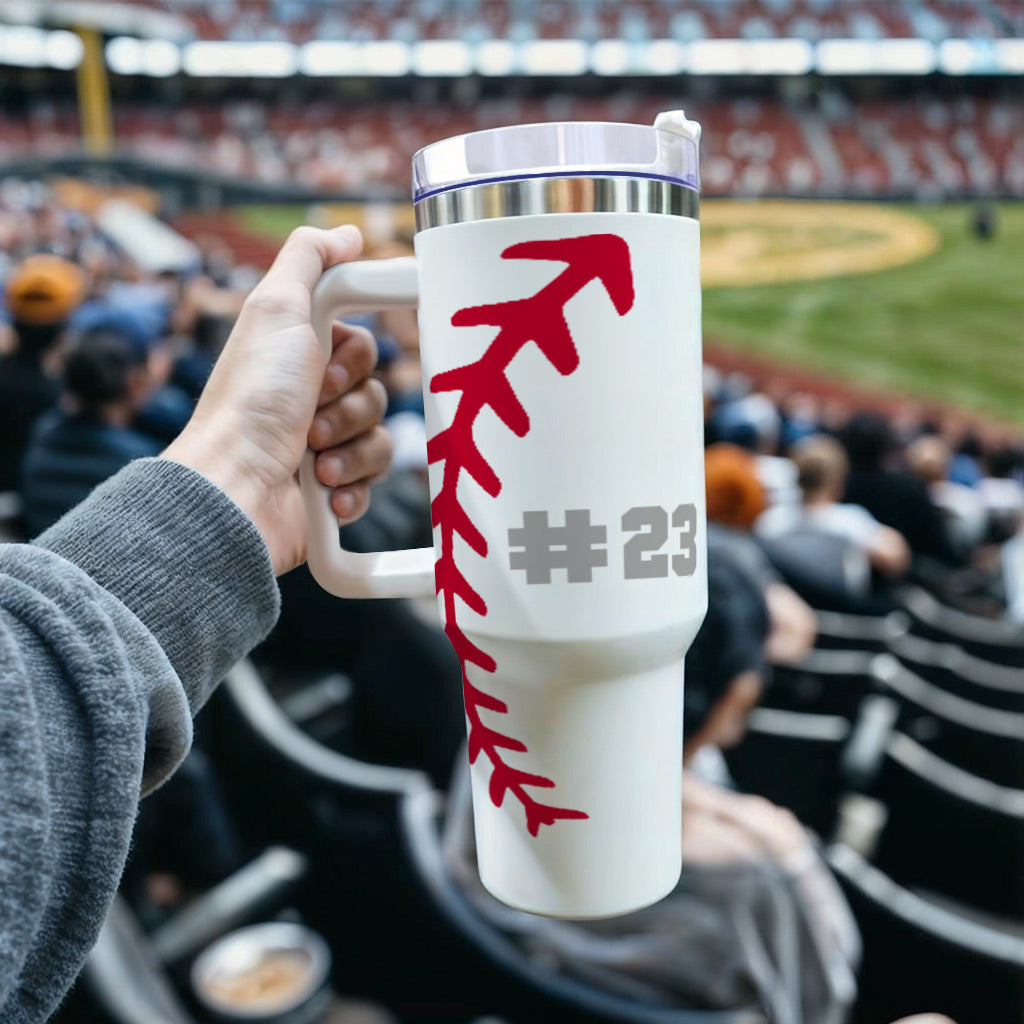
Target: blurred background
x,y
855,724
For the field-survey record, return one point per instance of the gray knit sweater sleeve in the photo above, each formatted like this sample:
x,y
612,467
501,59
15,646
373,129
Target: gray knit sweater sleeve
x,y
114,627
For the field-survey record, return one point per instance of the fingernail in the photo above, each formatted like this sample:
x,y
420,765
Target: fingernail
x,y
344,503
340,376
349,234
321,429
334,468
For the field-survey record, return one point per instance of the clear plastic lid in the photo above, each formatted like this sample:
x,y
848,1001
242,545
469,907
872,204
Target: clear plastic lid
x,y
666,151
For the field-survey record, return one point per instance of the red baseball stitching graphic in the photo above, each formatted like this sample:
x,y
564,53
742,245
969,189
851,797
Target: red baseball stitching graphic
x,y
539,318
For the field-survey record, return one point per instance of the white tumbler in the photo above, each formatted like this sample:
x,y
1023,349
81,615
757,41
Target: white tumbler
x,y
557,276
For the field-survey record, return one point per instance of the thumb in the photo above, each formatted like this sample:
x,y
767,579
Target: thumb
x,y
303,258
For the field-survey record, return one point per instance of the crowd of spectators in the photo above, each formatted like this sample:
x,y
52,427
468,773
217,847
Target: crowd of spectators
x,y
809,505
878,497
830,146
299,21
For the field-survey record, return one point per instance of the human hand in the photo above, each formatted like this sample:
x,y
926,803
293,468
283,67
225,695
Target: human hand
x,y
255,417
774,829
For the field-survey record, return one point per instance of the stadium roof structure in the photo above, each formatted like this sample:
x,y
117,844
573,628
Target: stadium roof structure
x,y
107,18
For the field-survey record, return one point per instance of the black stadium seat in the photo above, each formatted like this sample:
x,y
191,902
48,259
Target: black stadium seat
x,y
952,669
950,832
826,683
988,639
847,632
921,955
793,758
980,739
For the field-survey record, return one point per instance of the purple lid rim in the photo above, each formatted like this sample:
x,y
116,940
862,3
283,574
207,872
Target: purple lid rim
x,y
687,182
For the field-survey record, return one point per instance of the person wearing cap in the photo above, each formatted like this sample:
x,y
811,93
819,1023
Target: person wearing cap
x,y
116,623
41,294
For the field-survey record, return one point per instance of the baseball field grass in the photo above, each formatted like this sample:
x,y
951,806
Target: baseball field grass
x,y
948,327
900,298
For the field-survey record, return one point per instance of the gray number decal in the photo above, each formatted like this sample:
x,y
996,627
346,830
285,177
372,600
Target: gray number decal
x,y
685,518
653,521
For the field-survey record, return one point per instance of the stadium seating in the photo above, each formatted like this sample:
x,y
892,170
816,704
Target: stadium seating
x,y
126,977
925,955
982,740
848,632
954,671
302,20
750,147
793,759
988,639
949,832
371,835
827,682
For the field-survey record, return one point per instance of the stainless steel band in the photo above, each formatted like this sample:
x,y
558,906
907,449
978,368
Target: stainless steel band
x,y
527,196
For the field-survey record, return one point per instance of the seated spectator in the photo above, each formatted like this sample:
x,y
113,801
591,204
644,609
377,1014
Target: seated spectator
x,y
928,459
965,466
204,316
735,500
894,498
40,296
822,469
107,378
1002,490
167,408
756,920
752,421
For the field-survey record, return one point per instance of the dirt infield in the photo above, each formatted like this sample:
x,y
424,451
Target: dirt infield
x,y
778,240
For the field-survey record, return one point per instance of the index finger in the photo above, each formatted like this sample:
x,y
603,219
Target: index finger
x,y
308,252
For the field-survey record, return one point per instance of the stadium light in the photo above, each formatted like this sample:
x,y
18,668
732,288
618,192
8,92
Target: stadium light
x,y
124,55
388,58
664,57
751,57
1009,55
905,56
779,56
385,59
161,58
23,46
158,58
63,50
957,56
496,57
879,57
246,60
447,57
324,58
716,57
554,57
610,57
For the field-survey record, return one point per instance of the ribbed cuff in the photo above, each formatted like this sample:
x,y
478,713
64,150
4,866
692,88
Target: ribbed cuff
x,y
181,555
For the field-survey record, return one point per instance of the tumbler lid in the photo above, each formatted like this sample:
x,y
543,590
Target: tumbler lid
x,y
665,151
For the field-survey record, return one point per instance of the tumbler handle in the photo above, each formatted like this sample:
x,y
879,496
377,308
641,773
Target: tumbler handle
x,y
369,286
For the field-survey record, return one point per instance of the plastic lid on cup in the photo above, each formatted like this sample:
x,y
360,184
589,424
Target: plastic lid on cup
x,y
666,151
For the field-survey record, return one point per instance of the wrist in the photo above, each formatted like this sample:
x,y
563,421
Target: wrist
x,y
219,460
